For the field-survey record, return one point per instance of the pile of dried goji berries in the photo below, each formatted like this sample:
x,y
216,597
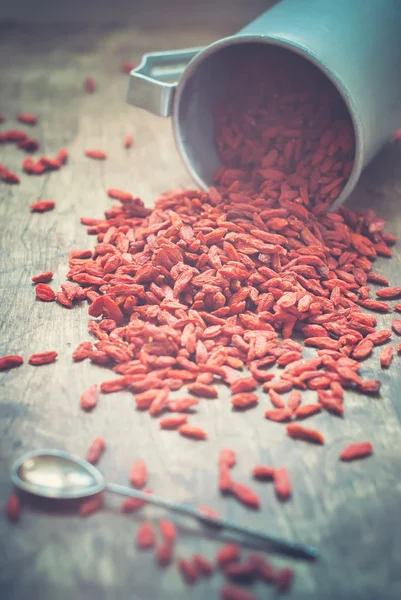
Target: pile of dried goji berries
x,y
228,286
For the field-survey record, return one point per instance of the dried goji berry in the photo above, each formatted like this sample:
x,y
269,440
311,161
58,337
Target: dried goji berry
x,y
299,432
13,508
128,139
173,421
244,400
127,66
396,325
145,537
43,277
164,554
203,566
42,205
27,118
89,397
139,474
90,85
187,570
245,494
284,579
228,553
192,431
92,505
356,450
263,472
227,458
229,591
94,153
96,450
168,530
42,358
282,483
10,362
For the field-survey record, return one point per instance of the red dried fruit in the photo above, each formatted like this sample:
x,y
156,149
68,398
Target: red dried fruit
x,y
307,410
278,414
133,504
370,386
90,85
281,386
96,450
88,507
13,508
139,474
229,591
128,140
263,472
44,292
160,402
120,195
203,566
227,458
97,154
276,399
386,357
192,431
8,176
244,400
201,389
42,206
227,554
243,384
389,293
299,432
183,404
225,481
245,495
396,325
164,554
356,450
375,305
127,66
43,277
208,512
262,567
89,397
145,537
379,337
29,145
46,163
244,571
62,156
187,570
27,118
103,305
82,351
173,421
168,530
284,579
10,362
42,358
282,484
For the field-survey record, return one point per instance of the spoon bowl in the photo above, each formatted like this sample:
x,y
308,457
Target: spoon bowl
x,y
56,474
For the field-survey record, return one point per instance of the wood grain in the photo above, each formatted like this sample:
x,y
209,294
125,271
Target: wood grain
x,y
351,511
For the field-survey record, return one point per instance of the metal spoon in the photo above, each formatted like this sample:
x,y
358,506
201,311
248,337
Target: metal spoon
x,y
58,474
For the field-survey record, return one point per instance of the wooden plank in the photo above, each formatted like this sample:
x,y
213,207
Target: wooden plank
x,y
349,511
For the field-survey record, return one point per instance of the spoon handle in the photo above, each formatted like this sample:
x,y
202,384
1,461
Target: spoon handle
x,y
279,544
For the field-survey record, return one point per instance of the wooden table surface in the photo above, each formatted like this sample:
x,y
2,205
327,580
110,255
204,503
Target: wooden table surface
x,y
351,511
